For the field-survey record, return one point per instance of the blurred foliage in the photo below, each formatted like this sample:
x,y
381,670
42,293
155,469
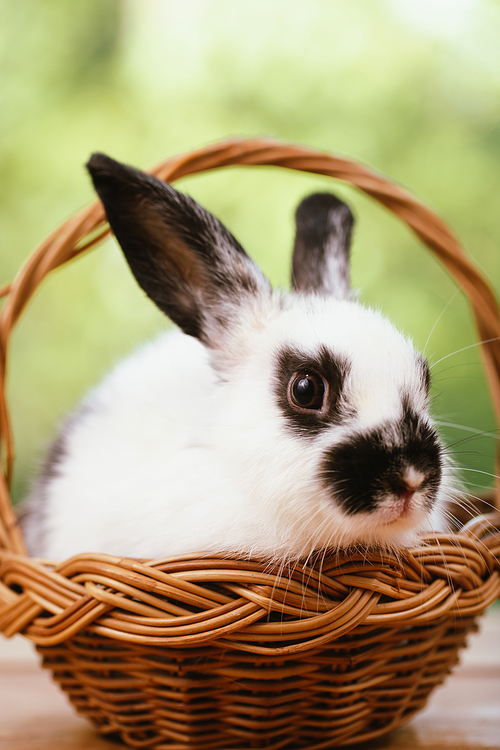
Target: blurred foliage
x,y
413,89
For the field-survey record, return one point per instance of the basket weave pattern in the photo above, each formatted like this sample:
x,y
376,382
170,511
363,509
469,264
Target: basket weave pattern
x,y
206,652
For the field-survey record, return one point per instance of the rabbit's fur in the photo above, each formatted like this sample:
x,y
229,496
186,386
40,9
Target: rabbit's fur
x,y
279,425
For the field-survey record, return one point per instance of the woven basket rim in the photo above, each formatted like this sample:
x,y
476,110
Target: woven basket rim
x,y
88,228
172,602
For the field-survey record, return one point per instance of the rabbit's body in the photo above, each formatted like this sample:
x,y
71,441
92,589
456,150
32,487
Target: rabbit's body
x,y
100,489
280,425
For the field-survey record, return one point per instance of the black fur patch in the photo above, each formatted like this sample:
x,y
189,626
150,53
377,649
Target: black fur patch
x,y
334,370
33,513
426,373
363,470
184,258
56,454
323,230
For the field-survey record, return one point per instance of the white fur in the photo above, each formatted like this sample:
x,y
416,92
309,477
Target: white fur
x,y
182,450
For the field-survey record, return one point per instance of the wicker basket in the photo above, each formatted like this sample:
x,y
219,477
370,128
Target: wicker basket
x,y
213,653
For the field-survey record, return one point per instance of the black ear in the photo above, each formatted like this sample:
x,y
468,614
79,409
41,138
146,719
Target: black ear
x,y
322,245
182,256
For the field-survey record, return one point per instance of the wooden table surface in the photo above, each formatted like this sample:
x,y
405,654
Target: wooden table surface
x,y
464,714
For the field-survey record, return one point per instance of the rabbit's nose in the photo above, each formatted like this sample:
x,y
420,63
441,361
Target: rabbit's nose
x,y
407,483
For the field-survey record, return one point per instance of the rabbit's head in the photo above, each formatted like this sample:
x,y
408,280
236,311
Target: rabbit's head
x,y
320,410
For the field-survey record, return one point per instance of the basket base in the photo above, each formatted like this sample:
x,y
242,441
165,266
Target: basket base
x,y
360,687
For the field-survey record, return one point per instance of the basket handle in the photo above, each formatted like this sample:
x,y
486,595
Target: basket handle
x,y
88,228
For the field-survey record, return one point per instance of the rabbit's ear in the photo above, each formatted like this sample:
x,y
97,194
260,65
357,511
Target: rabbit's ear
x,y
181,255
322,245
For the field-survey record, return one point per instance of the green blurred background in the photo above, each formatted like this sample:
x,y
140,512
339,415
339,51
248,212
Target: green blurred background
x,y
411,88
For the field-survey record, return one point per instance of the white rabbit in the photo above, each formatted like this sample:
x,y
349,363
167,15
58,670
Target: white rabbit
x,y
271,425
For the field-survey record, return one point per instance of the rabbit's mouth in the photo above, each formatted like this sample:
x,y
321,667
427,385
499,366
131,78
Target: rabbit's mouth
x,y
406,504
408,498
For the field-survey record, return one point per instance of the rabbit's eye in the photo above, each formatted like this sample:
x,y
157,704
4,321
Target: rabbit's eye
x,y
307,391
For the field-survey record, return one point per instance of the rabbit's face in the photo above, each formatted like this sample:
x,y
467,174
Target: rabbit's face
x,y
320,414
327,413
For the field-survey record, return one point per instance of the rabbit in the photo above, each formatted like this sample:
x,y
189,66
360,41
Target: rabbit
x,y
268,425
